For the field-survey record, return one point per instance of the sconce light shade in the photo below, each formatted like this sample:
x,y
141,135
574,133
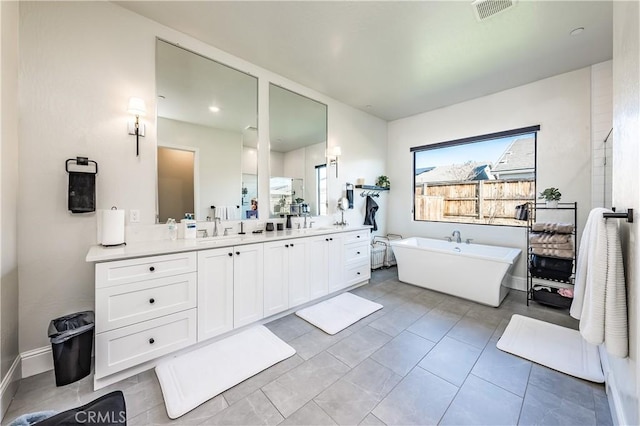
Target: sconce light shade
x,y
136,106
336,151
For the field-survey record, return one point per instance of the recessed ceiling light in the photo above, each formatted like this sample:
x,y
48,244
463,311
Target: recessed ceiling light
x,y
576,31
214,109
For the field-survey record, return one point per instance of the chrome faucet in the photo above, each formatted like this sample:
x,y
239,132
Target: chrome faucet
x,y
226,231
305,215
456,235
216,221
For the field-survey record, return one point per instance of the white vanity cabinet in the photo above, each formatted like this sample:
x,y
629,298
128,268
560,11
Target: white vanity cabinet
x,y
215,292
150,304
286,275
145,308
357,257
248,284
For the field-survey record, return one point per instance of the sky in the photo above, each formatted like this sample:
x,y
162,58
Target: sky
x,y
485,151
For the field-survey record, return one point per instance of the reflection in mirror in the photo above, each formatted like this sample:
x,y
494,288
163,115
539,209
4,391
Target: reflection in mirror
x,y
207,118
298,142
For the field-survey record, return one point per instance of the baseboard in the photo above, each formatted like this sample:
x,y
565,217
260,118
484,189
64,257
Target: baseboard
x,y
518,283
613,393
9,385
36,361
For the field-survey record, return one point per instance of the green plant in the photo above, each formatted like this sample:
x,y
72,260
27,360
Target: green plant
x,y
551,194
383,181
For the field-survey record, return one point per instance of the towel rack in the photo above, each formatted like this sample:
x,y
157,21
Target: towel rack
x,y
371,190
81,161
621,215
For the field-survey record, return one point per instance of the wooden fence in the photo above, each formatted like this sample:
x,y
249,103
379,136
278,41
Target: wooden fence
x,y
489,201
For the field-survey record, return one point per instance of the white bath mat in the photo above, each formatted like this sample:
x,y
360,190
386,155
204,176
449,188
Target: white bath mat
x,y
338,313
553,346
193,378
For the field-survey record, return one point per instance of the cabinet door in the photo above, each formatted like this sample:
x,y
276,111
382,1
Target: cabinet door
x,y
298,272
248,284
215,292
276,278
336,264
318,266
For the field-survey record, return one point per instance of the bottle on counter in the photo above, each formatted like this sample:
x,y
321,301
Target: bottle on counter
x,y
173,229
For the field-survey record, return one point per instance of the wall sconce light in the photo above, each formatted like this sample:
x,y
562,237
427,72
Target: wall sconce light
x,y
137,108
334,154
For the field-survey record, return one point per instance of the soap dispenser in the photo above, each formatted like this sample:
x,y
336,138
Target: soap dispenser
x,y
289,221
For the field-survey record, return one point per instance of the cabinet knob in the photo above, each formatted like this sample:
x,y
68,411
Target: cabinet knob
x,y
152,341
238,253
330,239
357,252
291,244
286,245
326,239
230,254
358,236
152,300
152,268
358,273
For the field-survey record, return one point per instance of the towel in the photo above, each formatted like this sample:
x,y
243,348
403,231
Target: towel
x,y
544,238
560,228
600,301
370,213
560,246
82,192
550,252
227,213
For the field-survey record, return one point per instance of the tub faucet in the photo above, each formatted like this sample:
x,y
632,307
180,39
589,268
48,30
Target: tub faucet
x,y
456,234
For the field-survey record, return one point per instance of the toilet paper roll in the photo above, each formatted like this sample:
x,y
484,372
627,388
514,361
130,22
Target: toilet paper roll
x,y
112,227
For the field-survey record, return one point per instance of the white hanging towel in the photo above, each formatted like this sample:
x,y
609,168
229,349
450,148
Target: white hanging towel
x,y
600,301
222,213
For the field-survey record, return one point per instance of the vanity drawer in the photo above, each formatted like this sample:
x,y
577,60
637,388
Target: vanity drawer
x,y
356,252
122,305
357,273
144,268
129,346
356,237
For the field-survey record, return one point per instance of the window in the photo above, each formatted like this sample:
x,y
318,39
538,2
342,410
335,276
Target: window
x,y
477,180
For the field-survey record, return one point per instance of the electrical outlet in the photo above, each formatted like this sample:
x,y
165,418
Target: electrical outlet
x,y
134,216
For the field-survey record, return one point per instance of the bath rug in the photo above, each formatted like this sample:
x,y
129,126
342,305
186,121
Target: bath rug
x,y
553,346
336,314
193,378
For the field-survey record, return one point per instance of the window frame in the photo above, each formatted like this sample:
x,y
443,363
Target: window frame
x,y
469,140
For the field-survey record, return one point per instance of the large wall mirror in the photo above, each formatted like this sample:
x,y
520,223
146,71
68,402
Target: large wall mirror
x,y
298,143
207,137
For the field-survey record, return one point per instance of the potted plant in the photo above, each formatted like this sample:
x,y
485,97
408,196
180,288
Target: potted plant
x,y
383,182
551,197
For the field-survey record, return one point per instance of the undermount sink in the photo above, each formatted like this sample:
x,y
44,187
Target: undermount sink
x,y
220,241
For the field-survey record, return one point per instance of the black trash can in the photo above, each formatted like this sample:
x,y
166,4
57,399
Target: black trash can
x,y
71,342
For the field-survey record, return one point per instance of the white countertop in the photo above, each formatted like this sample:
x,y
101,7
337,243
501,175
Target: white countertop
x,y
100,253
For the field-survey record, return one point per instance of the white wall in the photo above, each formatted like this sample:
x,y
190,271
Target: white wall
x,y
80,62
626,194
8,197
560,105
219,164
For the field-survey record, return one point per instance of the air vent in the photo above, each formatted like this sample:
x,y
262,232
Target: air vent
x,y
485,9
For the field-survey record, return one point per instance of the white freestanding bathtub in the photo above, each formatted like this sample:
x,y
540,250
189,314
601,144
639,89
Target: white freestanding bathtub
x,y
472,271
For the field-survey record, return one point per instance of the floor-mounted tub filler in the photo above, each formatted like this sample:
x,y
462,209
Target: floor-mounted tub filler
x,y
472,271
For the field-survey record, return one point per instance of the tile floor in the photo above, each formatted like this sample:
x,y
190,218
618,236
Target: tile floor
x,y
426,358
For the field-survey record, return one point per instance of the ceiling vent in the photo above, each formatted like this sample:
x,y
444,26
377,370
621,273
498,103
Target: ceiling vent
x,y
485,9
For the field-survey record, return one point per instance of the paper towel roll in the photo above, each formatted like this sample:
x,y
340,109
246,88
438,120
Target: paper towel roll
x,y
112,227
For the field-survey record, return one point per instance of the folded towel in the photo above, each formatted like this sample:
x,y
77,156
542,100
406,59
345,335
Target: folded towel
x,y
560,228
563,246
546,238
562,254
